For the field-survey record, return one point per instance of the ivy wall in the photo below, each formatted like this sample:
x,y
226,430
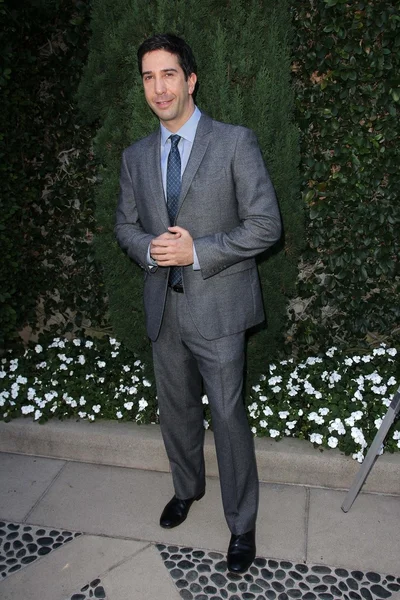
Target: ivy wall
x,y
346,72
47,269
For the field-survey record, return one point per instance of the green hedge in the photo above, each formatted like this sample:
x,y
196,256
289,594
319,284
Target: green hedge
x,y
47,271
244,72
347,65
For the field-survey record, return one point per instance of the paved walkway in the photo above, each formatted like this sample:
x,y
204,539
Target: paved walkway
x,y
73,530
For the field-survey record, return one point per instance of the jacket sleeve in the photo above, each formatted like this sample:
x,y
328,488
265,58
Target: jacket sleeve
x,y
260,222
128,230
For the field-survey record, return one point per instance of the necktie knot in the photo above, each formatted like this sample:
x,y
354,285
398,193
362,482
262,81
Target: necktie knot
x,y
174,140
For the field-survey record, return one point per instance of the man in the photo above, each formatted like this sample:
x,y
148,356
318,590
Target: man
x,y
196,205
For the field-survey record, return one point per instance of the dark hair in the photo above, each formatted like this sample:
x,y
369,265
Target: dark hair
x,y
173,44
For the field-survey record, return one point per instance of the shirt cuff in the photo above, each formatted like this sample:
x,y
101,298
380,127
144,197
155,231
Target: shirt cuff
x,y
150,261
196,264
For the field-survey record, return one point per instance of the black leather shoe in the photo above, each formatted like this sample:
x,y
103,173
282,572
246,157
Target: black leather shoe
x,y
176,511
241,551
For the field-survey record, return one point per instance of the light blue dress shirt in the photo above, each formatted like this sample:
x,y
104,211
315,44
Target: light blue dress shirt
x,y
187,133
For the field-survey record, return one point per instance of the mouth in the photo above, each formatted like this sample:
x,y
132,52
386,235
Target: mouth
x,y
163,103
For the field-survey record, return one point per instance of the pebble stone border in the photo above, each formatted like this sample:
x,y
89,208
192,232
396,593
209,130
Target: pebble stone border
x,y
91,590
21,545
202,575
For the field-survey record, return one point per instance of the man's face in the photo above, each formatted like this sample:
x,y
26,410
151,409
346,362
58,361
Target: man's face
x,y
167,92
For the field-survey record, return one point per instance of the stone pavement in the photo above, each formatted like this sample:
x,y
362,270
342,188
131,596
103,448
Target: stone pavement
x,y
79,530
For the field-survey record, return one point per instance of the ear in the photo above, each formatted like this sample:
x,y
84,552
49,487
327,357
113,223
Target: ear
x,y
192,79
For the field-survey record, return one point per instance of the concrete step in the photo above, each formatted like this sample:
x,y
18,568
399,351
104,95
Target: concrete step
x,y
113,443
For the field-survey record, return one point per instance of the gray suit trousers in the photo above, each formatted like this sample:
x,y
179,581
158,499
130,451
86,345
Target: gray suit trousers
x,y
183,362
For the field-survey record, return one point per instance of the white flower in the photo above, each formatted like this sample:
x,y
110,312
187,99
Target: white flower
x,y
88,344
14,390
101,380
386,402
134,379
313,416
76,342
81,359
358,437
2,374
82,415
263,424
256,388
143,404
27,409
273,433
267,411
21,380
323,411
316,438
63,367
300,412
253,430
263,398
101,364
205,424
114,354
126,368
204,399
356,359
283,414
14,364
335,377
396,435
293,391
378,422
96,408
338,426
291,424
91,417
381,390
359,456
392,381
38,348
367,358
332,442
128,405
38,414
137,363
331,351
276,389
274,380
119,414
272,368
131,390
348,362
146,383
358,395
378,351
252,407
391,351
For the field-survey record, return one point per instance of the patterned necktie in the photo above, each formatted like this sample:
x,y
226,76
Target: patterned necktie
x,y
173,193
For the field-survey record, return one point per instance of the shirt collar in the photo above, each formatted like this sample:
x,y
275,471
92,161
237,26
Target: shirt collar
x,y
187,131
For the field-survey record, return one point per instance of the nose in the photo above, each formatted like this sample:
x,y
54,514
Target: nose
x,y
159,85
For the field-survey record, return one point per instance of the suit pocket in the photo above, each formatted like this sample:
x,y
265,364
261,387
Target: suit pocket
x,y
243,265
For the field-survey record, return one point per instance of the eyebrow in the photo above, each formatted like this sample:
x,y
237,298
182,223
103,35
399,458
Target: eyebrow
x,y
162,70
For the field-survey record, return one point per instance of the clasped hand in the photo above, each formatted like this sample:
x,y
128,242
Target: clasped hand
x,y
174,248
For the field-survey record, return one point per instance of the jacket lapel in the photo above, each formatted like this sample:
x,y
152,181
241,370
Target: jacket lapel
x,y
154,177
199,148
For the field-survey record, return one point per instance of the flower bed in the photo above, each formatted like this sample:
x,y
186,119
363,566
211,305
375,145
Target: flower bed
x,y
333,401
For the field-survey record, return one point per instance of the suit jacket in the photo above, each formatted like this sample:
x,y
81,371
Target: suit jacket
x,y
229,207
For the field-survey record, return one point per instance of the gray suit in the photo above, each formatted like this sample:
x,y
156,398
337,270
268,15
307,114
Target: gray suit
x,y
229,207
